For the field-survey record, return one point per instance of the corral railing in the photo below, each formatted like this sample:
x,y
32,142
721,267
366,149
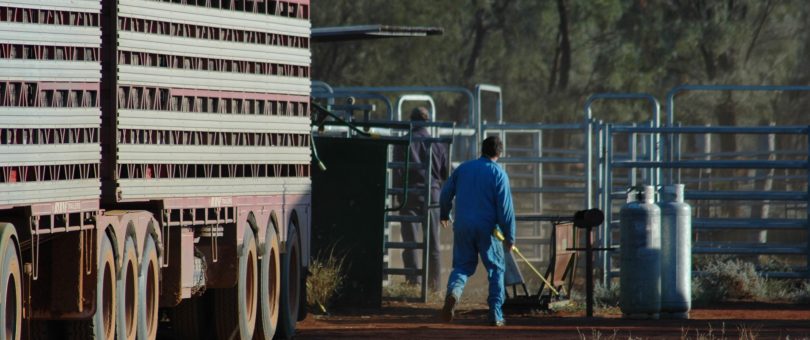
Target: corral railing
x,y
546,167
751,204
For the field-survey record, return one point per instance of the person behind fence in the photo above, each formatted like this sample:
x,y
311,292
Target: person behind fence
x,y
483,202
418,179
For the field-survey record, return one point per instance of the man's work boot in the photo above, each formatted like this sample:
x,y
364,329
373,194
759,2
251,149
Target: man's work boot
x,y
449,309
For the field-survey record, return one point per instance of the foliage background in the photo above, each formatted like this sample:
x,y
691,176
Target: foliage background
x,y
549,55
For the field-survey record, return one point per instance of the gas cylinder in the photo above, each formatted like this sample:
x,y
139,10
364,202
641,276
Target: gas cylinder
x,y
640,252
676,254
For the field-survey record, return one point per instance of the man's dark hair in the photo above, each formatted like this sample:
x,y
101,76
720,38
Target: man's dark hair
x,y
420,114
492,147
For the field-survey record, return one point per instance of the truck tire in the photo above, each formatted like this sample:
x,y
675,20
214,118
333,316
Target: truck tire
x,y
236,307
290,285
270,287
148,291
101,325
10,285
303,311
127,293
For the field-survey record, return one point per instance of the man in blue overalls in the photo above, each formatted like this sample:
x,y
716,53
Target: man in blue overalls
x,y
483,202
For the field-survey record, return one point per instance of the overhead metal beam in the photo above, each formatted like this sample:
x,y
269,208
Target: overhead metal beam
x,y
365,32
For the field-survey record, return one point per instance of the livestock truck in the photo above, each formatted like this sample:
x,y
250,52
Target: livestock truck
x,y
154,166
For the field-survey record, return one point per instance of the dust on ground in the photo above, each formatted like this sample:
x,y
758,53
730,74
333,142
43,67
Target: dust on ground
x,y
398,320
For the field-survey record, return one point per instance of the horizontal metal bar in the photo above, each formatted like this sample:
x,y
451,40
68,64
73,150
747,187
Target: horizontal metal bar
x,y
402,125
717,179
411,191
775,275
49,35
208,154
712,129
210,122
548,189
412,165
544,218
529,128
749,249
733,195
50,70
50,154
532,240
140,189
748,223
27,193
49,117
714,164
719,154
747,195
211,80
158,10
404,245
153,43
532,160
90,6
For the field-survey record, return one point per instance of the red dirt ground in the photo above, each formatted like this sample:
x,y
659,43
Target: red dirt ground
x,y
399,321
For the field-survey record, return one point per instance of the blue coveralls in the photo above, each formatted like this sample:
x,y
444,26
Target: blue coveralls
x,y
483,201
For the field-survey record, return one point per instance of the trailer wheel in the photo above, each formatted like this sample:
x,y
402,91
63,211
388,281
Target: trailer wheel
x,y
270,290
236,307
102,324
290,285
127,317
148,291
10,285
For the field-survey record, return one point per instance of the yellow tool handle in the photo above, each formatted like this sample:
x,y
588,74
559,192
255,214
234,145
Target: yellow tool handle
x,y
500,237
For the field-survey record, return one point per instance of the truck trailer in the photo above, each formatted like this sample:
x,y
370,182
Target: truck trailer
x,y
154,166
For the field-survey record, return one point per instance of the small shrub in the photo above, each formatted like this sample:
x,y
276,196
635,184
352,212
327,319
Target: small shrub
x,y
605,297
728,280
325,280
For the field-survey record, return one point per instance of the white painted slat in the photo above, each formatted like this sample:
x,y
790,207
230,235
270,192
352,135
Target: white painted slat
x,y
204,154
49,35
153,43
141,189
155,10
49,117
50,70
208,80
92,6
23,193
51,154
210,122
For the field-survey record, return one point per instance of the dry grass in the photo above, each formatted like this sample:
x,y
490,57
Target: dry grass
x,y
743,332
325,280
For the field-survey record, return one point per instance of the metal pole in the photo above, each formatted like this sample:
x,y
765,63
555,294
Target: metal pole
x,y
656,116
588,273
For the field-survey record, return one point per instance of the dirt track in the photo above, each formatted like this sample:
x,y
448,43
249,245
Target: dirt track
x,y
406,321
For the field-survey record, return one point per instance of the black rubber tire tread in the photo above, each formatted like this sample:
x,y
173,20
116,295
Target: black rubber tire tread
x,y
10,267
189,319
267,322
90,329
303,311
149,254
287,317
128,254
228,302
